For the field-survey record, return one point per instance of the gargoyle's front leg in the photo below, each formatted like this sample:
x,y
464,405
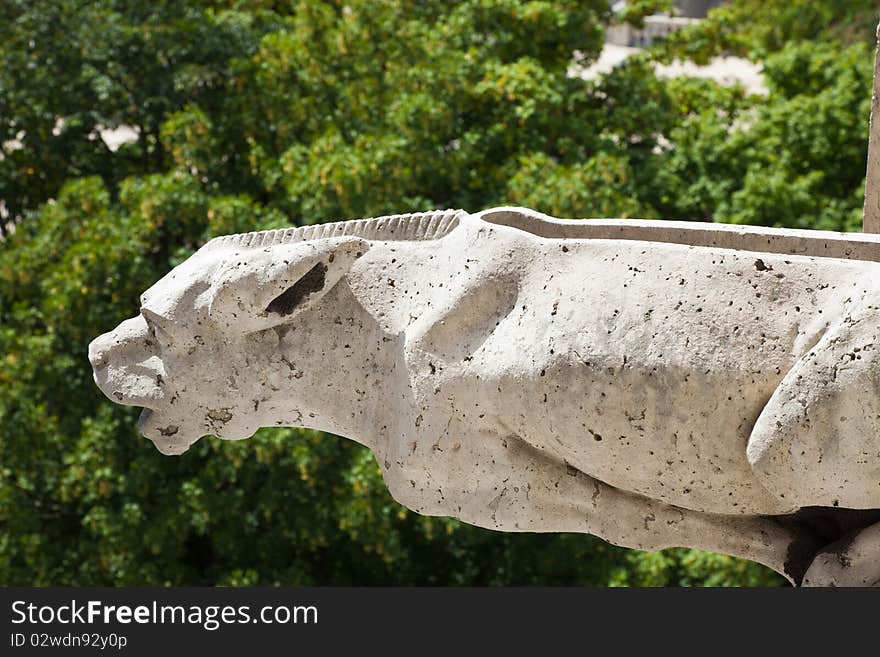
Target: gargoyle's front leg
x,y
854,560
816,442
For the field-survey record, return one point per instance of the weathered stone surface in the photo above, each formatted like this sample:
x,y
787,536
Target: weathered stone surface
x,y
653,383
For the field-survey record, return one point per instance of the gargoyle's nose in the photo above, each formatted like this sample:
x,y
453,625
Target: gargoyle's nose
x,y
99,349
130,333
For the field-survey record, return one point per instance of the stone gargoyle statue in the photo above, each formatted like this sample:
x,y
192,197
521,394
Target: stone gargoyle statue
x,y
653,383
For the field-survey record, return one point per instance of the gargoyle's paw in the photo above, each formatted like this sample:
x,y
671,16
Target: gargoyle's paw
x,y
854,560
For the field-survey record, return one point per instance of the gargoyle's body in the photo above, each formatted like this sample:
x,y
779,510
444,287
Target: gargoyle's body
x,y
652,394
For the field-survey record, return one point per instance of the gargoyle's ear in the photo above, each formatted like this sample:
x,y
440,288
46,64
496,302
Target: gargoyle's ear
x,y
266,287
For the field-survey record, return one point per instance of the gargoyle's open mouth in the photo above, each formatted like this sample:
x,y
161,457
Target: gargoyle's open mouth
x,y
144,418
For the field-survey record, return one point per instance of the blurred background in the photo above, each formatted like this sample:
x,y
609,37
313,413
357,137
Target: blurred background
x,y
131,132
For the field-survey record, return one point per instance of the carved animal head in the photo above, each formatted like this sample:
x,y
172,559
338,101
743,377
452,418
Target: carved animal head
x,y
195,356
185,357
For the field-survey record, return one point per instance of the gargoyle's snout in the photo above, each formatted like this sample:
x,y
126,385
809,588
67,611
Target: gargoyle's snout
x,y
99,350
125,366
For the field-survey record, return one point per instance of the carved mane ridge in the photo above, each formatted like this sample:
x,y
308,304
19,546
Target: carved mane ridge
x,y
411,226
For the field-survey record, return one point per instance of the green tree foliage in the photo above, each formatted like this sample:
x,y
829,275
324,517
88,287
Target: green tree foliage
x,y
255,115
70,69
795,158
756,28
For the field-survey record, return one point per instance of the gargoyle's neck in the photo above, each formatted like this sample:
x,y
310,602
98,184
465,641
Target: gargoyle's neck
x,y
335,371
